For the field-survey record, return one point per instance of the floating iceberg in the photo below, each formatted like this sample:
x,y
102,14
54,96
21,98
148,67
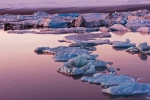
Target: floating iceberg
x,y
76,71
111,70
41,49
147,52
144,29
143,46
79,22
67,56
132,49
97,41
68,15
85,37
91,70
62,50
104,29
129,88
99,63
109,80
83,44
120,44
119,27
52,23
78,61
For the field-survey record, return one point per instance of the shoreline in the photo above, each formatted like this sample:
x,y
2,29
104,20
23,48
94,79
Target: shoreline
x,y
105,9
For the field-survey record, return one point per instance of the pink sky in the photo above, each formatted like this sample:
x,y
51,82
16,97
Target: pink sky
x,y
66,3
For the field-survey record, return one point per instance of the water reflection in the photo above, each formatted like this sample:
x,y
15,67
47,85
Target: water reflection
x,y
144,33
121,96
119,49
119,33
143,57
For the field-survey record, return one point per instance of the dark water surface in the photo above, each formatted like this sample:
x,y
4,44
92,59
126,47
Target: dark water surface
x,y
24,75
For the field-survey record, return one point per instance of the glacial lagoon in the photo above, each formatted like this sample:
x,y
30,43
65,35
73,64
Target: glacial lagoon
x,y
26,75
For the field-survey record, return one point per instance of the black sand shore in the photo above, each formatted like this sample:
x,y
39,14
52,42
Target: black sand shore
x,y
106,9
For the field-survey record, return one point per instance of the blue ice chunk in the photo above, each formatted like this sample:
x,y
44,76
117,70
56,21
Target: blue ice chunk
x,y
130,88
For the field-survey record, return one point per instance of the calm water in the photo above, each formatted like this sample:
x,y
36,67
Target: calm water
x,y
25,75
65,3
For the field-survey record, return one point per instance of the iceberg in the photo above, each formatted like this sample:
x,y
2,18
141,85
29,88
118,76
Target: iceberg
x,y
111,70
70,71
129,88
132,49
85,37
142,46
68,15
109,80
87,67
62,50
119,27
99,63
41,49
91,70
20,17
104,29
67,56
147,52
144,29
79,22
77,71
121,44
56,24
40,13
78,61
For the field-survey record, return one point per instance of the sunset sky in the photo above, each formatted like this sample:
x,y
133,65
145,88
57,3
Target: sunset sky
x,y
66,3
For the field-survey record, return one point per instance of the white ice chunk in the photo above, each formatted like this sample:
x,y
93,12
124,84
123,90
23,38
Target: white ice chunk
x,y
110,80
67,56
88,79
132,49
85,37
41,49
99,63
130,88
62,50
143,46
20,17
77,71
121,44
86,67
147,52
78,61
91,70
70,71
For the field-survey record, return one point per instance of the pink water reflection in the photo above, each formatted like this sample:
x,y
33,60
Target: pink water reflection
x,y
25,75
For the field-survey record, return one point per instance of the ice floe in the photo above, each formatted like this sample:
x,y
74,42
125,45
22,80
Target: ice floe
x,y
85,37
67,56
121,44
144,29
119,27
142,48
62,50
129,88
108,79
